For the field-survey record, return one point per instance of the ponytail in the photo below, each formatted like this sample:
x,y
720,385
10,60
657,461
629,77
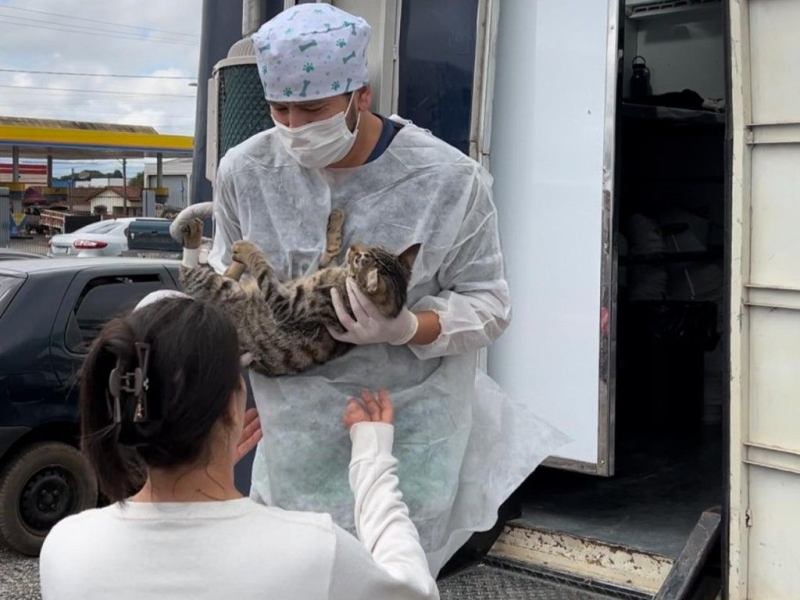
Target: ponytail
x,y
119,469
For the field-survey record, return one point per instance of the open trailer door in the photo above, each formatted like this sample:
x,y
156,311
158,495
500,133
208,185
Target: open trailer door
x,y
765,300
528,88
552,157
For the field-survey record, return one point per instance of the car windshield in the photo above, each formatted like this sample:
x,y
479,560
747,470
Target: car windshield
x,y
99,227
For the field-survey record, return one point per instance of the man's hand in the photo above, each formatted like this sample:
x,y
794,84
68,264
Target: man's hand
x,y
369,325
251,435
372,410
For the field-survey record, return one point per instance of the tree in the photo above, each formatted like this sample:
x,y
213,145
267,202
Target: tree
x,y
117,174
137,180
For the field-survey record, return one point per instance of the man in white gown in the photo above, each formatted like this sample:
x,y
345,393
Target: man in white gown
x,y
462,444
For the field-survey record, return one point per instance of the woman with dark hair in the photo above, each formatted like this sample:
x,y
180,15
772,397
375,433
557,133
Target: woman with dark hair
x,y
163,422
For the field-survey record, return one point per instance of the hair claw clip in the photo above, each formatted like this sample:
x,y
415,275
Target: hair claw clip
x,y
133,382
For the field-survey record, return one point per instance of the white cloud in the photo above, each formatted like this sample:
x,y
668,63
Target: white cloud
x,y
29,42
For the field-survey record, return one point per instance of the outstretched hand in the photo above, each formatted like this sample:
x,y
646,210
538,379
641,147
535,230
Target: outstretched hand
x,y
251,435
370,409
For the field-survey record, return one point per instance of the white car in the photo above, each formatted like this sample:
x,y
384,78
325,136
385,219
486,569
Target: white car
x,y
104,238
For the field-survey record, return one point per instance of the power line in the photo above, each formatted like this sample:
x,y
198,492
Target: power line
x,y
139,103
104,30
30,87
95,114
116,36
95,74
86,30
84,19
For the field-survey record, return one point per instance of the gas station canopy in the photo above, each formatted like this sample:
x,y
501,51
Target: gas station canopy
x,y
73,140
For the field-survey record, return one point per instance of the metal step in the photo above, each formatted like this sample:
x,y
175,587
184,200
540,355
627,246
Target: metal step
x,y
600,563
600,568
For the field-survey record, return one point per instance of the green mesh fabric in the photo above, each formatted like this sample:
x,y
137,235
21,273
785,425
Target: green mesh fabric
x,y
243,110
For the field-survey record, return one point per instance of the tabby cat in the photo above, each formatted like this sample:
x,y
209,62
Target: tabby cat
x,y
283,324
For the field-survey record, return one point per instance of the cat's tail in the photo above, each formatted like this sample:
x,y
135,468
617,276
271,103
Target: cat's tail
x,y
201,210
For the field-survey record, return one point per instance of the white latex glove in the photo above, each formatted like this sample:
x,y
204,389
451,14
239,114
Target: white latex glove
x,y
370,326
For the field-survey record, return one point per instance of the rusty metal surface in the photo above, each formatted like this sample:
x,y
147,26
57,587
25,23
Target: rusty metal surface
x,y
495,582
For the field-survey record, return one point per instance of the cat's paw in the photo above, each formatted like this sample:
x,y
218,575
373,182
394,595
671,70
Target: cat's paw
x,y
336,221
333,238
192,234
242,252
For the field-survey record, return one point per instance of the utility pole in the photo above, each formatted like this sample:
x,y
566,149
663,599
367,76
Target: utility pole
x,y
222,27
125,185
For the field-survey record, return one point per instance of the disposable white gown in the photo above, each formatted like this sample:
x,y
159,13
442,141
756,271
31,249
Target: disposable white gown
x,y
463,445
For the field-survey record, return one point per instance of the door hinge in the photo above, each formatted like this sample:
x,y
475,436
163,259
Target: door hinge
x,y
748,518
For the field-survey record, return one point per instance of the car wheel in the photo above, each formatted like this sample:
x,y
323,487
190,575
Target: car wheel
x,y
40,486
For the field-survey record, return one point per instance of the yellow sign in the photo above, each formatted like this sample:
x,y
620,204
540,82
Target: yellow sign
x,y
18,218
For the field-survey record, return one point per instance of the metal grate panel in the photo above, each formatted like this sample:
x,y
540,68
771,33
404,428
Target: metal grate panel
x,y
243,110
484,582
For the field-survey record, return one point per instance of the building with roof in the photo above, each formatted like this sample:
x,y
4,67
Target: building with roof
x,y
177,176
112,198
28,174
96,182
76,140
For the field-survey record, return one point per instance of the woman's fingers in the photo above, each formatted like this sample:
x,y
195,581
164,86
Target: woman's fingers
x,y
372,406
377,408
387,406
251,435
354,413
250,416
252,424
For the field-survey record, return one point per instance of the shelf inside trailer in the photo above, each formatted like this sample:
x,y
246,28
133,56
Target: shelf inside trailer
x,y
715,254
644,9
670,114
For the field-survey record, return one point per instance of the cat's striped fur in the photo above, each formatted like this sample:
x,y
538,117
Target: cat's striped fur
x,y
283,324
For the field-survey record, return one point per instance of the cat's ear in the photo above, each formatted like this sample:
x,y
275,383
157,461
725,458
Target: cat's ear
x,y
409,255
372,281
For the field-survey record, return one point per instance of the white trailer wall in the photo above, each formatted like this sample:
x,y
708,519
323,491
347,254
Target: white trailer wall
x,y
765,305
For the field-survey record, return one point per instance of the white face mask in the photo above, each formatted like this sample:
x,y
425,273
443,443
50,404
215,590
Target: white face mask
x,y
321,143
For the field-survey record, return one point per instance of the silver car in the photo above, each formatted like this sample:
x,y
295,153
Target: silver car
x,y
10,254
104,238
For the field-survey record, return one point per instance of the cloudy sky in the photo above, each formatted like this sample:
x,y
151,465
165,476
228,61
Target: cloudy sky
x,y
158,38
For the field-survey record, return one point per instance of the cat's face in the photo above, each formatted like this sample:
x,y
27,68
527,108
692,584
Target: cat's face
x,y
379,272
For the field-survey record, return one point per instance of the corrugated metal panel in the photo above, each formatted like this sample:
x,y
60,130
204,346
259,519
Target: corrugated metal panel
x,y
765,303
774,570
775,85
55,124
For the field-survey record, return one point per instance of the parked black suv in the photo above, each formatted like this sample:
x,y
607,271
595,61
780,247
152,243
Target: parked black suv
x,y
50,311
149,238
